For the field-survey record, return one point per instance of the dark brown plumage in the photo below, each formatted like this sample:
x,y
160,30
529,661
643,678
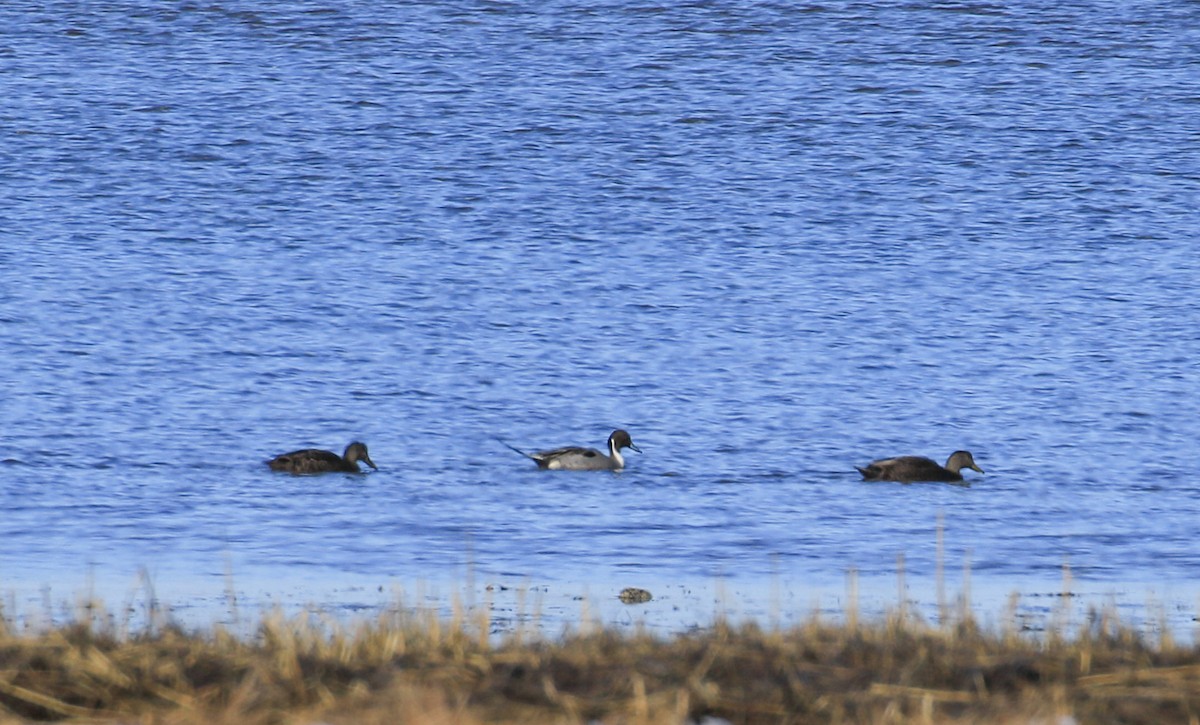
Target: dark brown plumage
x,y
314,460
907,469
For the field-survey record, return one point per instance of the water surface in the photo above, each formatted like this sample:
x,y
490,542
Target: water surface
x,y
772,241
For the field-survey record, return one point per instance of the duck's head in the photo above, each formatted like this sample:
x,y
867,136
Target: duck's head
x,y
620,439
960,460
357,451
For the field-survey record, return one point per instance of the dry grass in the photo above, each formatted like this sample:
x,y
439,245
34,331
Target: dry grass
x,y
421,670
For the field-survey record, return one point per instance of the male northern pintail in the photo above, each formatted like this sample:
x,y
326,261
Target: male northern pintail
x,y
572,458
313,460
907,469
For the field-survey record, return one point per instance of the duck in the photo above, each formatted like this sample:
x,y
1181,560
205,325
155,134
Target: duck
x,y
314,460
907,469
572,458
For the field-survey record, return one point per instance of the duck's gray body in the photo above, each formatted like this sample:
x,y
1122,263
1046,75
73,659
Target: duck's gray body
x,y
908,469
572,458
314,460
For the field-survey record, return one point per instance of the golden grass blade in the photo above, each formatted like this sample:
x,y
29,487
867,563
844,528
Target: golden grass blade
x,y
49,703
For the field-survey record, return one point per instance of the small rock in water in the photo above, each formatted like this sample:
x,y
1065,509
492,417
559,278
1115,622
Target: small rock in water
x,y
633,595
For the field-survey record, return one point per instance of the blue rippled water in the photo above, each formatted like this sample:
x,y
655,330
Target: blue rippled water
x,y
772,240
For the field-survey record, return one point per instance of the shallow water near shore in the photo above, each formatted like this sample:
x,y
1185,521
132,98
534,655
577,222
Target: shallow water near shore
x,y
773,242
509,608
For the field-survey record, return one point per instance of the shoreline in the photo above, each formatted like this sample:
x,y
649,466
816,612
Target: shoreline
x,y
553,607
414,666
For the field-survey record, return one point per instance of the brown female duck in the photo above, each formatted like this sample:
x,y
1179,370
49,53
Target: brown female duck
x,y
313,460
907,469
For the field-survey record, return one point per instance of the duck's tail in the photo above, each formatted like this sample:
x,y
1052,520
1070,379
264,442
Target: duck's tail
x,y
868,473
514,448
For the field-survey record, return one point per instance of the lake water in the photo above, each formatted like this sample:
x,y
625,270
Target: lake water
x,y
772,240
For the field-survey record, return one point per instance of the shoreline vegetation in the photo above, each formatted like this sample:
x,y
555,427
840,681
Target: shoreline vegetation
x,y
413,666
